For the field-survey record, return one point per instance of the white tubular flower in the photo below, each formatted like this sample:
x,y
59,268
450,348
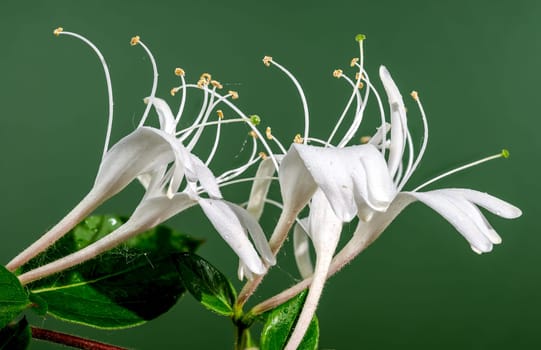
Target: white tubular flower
x,y
364,181
161,162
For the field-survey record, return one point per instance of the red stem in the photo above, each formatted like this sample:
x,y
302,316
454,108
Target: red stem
x,y
71,340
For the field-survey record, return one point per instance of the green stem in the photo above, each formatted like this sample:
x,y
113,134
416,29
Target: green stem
x,y
70,340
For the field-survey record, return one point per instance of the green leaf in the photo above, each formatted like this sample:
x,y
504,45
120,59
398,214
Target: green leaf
x,y
124,287
13,297
280,323
15,336
207,284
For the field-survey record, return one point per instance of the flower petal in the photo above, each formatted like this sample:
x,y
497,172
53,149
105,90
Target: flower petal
x,y
349,177
155,210
494,205
227,224
456,212
135,154
256,233
260,188
301,249
165,115
296,183
398,120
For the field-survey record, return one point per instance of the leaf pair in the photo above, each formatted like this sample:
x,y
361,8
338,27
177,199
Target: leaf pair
x,y
124,287
214,291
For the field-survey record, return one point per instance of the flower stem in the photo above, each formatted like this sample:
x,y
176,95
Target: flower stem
x,y
70,340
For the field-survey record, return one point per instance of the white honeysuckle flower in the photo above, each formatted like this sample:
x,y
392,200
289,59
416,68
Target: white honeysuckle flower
x,y
161,162
365,181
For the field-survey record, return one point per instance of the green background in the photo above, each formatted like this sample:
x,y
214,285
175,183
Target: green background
x,y
476,65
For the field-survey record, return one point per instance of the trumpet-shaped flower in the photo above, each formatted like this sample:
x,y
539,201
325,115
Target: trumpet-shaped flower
x,y
365,181
160,160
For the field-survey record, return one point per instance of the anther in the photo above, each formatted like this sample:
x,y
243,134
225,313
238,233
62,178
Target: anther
x,y
267,60
201,83
58,30
179,72
255,120
365,139
360,37
337,73
268,133
253,134
360,85
206,76
174,91
234,94
216,84
415,95
298,139
263,155
220,114
357,75
505,153
135,40
354,61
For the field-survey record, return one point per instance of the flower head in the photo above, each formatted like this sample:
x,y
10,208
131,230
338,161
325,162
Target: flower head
x,y
162,159
366,181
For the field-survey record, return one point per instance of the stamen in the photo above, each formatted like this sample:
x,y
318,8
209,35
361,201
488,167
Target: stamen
x,y
270,136
217,138
246,120
231,174
503,154
205,112
365,139
255,119
234,94
298,139
301,94
134,41
337,73
415,96
59,31
179,72
360,37
216,84
267,61
268,133
206,76
358,116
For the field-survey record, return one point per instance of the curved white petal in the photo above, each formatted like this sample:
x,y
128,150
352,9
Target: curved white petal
x,y
155,210
135,154
349,177
255,231
197,171
494,205
227,224
260,188
453,210
325,228
296,183
165,115
301,249
398,126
